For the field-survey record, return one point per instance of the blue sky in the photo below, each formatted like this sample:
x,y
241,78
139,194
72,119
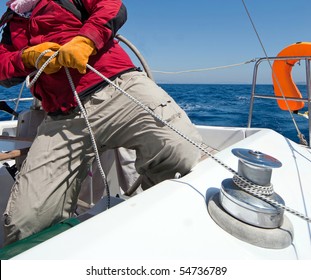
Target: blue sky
x,y
183,35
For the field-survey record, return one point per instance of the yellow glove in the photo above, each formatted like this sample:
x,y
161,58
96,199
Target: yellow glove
x,y
30,56
75,53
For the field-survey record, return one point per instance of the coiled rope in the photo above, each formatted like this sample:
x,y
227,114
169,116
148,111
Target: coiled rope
x,y
263,193
242,182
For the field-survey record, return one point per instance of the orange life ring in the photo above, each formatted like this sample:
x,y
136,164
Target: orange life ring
x,y
282,77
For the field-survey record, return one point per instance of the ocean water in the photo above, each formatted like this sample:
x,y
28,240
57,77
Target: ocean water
x,y
215,104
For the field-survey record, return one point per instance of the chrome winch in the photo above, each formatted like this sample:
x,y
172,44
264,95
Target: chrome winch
x,y
257,168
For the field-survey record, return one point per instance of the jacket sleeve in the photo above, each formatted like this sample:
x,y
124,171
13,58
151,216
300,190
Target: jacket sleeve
x,y
105,18
12,70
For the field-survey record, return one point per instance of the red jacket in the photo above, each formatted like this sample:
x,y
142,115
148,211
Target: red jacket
x,y
49,22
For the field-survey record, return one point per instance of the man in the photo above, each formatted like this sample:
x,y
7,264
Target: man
x,y
48,185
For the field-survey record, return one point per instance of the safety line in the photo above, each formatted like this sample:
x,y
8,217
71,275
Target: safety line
x,y
203,69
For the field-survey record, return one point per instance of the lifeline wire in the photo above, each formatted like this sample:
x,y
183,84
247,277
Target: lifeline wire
x,y
203,69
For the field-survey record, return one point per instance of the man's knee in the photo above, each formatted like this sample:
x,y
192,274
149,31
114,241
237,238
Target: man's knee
x,y
14,230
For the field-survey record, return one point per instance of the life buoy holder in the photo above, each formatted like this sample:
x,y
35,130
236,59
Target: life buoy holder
x,y
282,78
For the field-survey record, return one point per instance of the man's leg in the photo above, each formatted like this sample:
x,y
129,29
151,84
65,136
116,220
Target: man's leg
x,y
47,187
161,152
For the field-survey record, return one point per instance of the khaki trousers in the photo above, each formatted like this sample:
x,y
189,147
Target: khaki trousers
x,y
47,187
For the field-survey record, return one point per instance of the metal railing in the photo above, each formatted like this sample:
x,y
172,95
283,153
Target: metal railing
x,y
273,97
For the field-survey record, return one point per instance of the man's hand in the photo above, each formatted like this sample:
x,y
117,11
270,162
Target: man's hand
x,y
75,53
31,54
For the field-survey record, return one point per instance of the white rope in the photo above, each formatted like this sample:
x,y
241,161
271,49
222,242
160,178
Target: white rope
x,y
203,69
263,194
260,191
93,141
37,73
242,182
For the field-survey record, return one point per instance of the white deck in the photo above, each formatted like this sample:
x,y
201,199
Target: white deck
x,y
171,221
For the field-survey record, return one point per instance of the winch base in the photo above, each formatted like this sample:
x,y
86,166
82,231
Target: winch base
x,y
276,238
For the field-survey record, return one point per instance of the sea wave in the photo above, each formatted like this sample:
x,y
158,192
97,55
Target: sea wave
x,y
214,104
